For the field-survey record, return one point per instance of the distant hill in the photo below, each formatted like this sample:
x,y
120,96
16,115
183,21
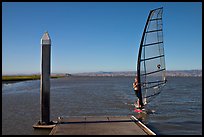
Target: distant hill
x,y
186,73
183,73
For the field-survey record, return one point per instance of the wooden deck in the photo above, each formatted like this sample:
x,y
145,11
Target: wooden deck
x,y
101,125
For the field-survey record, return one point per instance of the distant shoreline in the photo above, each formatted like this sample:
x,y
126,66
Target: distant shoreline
x,y
169,73
14,79
8,79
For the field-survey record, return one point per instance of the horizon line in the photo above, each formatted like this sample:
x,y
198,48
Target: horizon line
x,y
36,73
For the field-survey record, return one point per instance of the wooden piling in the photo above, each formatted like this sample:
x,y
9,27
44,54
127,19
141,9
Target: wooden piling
x,y
45,79
45,83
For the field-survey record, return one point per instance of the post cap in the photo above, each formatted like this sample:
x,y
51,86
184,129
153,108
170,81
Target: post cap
x,y
45,40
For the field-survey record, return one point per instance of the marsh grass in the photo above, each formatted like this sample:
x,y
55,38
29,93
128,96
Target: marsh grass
x,y
27,77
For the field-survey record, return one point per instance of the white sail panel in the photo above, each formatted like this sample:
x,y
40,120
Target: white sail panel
x,y
152,59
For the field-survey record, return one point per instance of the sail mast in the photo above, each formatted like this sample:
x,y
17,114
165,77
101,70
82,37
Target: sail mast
x,y
139,59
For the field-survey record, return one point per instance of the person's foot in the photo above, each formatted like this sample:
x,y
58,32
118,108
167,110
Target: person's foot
x,y
138,110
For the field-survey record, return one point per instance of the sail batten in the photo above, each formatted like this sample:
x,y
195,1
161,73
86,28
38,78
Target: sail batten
x,y
154,30
155,19
153,43
151,58
152,72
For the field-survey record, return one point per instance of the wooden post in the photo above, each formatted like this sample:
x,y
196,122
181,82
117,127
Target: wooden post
x,y
45,79
45,84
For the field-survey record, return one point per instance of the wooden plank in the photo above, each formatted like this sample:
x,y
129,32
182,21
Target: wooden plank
x,y
102,125
143,127
126,122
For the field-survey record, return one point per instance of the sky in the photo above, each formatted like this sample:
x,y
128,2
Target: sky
x,y
96,36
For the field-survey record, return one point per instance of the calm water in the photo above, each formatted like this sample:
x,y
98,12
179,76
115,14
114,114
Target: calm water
x,y
178,109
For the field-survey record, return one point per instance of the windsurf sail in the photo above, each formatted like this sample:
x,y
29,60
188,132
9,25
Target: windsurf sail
x,y
151,70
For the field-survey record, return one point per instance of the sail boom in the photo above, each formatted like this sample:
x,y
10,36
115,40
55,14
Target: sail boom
x,y
161,83
151,82
152,95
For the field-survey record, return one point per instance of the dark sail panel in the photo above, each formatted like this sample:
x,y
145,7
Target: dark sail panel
x,y
151,59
